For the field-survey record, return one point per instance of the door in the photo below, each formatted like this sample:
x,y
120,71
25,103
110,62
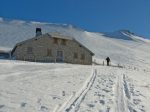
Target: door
x,y
60,56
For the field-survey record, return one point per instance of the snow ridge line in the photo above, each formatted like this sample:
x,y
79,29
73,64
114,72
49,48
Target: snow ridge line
x,y
127,93
121,98
73,104
126,89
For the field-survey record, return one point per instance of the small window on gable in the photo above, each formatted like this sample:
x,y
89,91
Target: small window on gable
x,y
49,52
75,55
55,40
29,50
82,57
63,42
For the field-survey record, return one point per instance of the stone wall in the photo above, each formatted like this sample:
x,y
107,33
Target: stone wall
x,y
36,49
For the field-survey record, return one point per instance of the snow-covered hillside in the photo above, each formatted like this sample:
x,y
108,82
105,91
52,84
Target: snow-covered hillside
x,y
125,43
51,87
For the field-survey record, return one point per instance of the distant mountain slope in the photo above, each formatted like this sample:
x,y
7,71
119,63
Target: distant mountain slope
x,y
122,46
125,35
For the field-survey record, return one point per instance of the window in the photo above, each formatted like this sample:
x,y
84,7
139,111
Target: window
x,y
49,52
29,50
75,55
55,41
63,42
82,56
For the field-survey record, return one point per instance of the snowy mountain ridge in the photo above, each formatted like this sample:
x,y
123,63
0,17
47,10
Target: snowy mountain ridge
x,y
126,35
18,30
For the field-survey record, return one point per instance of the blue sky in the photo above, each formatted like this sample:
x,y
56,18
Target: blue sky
x,y
92,15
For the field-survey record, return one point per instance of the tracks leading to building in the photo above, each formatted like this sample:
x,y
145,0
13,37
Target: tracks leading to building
x,y
101,96
73,104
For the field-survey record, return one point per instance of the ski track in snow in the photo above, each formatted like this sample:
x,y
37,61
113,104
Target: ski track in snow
x,y
121,102
111,92
72,105
100,96
132,96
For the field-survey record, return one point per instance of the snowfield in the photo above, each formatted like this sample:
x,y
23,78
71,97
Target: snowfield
x,y
38,87
60,87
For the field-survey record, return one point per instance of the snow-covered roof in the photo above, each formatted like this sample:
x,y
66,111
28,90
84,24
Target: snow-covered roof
x,y
53,35
59,35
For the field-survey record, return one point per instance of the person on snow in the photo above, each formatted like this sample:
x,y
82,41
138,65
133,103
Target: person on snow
x,y
108,61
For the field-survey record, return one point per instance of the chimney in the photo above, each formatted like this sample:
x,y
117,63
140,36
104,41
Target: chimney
x,y
38,32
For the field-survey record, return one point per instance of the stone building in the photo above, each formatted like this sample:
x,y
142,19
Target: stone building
x,y
52,47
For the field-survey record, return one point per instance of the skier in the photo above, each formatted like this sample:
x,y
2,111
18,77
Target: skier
x,y
108,61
